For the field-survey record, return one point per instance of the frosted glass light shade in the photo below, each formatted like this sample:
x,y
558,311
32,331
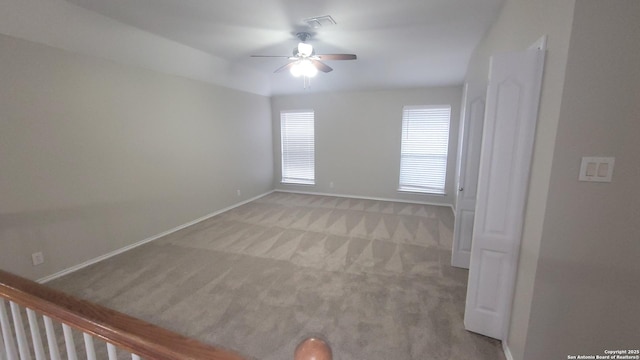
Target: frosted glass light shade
x,y
308,69
304,68
305,49
296,70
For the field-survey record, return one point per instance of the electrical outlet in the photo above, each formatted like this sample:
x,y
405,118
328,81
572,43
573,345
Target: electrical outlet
x,y
37,258
331,185
239,192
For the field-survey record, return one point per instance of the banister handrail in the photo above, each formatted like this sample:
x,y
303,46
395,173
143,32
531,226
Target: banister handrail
x,y
134,335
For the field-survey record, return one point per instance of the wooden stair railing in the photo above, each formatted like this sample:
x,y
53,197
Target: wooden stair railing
x,y
139,338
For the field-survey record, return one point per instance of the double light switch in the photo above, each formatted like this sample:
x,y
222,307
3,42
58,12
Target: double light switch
x,y
598,169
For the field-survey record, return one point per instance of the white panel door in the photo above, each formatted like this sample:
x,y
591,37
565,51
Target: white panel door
x,y
511,114
468,165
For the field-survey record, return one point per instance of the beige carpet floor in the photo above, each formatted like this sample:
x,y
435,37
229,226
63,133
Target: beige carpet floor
x,y
371,277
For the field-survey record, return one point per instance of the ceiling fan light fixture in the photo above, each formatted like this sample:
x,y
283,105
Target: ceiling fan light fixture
x,y
305,49
304,68
308,69
296,69
305,62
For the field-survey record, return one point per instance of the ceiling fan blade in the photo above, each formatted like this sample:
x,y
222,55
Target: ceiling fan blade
x,y
337,57
271,56
321,66
284,67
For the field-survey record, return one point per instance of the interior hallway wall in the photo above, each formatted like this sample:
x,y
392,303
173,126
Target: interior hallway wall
x,y
95,156
586,292
358,138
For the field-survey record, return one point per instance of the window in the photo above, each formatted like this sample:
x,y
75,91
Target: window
x,y
298,154
425,140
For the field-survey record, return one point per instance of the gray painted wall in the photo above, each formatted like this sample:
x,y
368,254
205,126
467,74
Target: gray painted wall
x,y
95,155
587,284
358,138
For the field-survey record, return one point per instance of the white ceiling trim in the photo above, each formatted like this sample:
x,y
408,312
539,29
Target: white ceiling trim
x,y
67,26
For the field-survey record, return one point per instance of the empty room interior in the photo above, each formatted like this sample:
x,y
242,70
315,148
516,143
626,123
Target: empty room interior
x,y
423,179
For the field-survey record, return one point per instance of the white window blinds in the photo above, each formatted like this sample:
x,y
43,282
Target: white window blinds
x,y
425,141
298,154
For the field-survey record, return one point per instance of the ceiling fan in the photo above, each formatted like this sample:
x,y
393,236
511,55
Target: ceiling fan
x,y
305,62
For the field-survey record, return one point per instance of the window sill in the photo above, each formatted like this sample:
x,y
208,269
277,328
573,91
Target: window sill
x,y
416,192
297,184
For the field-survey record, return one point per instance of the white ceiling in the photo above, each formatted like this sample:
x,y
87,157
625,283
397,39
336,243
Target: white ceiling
x,y
402,43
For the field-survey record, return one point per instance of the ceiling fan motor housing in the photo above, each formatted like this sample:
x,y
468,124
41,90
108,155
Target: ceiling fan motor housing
x,y
303,36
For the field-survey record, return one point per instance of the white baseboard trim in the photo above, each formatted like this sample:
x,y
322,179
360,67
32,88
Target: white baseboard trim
x,y
507,352
142,242
364,197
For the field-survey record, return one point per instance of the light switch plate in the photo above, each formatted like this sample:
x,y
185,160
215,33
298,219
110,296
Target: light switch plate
x,y
597,169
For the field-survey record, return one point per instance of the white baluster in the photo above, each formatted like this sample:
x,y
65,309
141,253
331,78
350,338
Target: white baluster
x,y
35,334
3,352
7,334
69,343
111,350
88,345
52,340
23,347
135,357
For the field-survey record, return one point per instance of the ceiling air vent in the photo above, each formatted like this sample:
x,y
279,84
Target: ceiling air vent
x,y
319,21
